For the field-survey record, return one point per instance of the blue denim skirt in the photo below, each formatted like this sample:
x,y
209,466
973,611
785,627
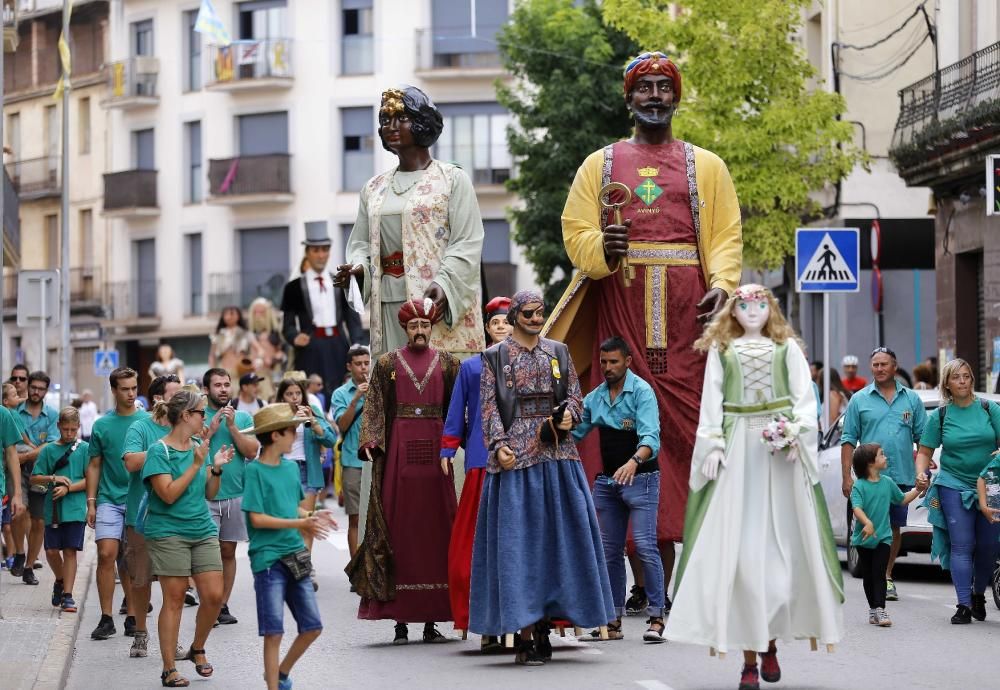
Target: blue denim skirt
x,y
538,552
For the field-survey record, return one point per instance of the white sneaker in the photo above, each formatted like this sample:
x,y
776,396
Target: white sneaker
x,y
872,617
883,618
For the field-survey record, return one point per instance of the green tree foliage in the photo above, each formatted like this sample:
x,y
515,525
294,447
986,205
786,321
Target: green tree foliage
x,y
746,96
567,101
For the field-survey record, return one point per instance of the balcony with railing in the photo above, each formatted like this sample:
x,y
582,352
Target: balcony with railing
x,y
251,65
11,223
442,56
130,194
241,288
133,302
86,291
132,83
263,179
36,178
10,21
949,121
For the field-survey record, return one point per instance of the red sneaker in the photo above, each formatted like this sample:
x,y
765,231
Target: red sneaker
x,y
749,679
770,671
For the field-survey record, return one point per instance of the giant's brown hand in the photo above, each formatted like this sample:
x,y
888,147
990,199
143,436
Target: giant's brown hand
x,y
711,304
344,273
435,293
616,241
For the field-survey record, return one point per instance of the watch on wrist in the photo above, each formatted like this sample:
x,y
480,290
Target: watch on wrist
x,y
216,471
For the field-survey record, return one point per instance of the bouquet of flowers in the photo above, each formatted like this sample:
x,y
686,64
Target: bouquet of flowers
x,y
781,433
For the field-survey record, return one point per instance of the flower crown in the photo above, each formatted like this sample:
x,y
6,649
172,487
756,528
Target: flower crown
x,y
751,293
392,102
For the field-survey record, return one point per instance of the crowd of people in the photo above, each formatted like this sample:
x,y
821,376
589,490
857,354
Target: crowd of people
x,y
705,410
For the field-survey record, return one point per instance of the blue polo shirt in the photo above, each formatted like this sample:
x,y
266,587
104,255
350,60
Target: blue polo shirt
x,y
338,403
895,426
634,408
41,429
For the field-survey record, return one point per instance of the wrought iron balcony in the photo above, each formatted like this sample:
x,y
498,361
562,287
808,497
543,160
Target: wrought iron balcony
x,y
132,302
241,288
11,223
36,178
250,180
130,194
86,291
251,64
132,83
948,120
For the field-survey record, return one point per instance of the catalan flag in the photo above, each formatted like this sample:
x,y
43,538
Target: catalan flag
x,y
65,59
208,22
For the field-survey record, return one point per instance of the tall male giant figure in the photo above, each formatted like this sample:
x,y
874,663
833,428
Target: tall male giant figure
x,y
317,321
682,236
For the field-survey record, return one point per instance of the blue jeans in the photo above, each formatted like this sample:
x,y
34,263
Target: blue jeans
x,y
616,504
973,545
276,587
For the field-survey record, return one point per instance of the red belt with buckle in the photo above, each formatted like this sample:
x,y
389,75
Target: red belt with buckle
x,y
326,332
393,265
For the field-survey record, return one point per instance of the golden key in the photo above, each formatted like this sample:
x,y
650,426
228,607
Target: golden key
x,y
628,272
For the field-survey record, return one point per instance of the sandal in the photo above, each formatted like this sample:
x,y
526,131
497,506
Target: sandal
x,y
655,632
178,681
204,670
614,633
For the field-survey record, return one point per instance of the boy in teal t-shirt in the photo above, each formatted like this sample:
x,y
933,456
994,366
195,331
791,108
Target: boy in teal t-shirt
x,y
61,467
272,490
872,536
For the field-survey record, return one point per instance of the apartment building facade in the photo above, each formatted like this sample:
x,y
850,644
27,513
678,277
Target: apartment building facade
x,y
219,156
33,135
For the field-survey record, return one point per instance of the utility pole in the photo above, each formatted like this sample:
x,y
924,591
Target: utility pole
x,y
65,350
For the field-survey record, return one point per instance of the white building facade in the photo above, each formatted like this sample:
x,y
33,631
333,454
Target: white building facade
x,y
220,156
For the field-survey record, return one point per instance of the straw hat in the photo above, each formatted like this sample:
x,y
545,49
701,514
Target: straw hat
x,y
295,375
274,418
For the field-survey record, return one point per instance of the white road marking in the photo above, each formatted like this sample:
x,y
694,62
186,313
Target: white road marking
x,y
653,685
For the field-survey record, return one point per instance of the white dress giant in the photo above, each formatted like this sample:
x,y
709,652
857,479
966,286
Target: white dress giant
x,y
757,562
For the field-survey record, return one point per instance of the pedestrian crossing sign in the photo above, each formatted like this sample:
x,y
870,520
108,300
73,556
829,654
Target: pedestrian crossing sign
x,y
827,259
105,361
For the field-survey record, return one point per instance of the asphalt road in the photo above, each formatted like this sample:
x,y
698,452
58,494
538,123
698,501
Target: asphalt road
x,y
921,650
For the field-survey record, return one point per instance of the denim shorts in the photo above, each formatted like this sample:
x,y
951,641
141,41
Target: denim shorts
x,y
276,587
68,535
303,477
898,514
110,522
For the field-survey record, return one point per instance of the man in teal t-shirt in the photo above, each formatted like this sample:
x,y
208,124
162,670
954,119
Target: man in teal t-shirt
x,y
226,508
107,492
9,438
140,438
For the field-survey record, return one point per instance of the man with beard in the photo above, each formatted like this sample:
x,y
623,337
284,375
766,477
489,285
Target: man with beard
x,y
681,236
537,553
401,567
623,410
464,427
107,495
227,506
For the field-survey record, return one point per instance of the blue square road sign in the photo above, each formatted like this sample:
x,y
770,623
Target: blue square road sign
x,y
827,260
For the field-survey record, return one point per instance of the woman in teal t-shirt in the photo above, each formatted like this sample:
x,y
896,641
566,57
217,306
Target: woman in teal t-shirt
x,y
966,542
181,537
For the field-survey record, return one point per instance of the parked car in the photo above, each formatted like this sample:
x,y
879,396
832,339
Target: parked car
x,y
916,534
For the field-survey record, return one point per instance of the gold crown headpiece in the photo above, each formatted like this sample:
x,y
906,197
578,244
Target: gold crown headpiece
x,y
392,102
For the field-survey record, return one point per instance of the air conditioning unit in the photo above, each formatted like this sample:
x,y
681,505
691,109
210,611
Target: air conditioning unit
x,y
146,64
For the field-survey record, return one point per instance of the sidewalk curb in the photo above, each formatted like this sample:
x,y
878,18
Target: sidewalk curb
x,y
54,671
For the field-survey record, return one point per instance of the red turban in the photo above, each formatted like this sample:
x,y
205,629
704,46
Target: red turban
x,y
417,309
498,306
652,63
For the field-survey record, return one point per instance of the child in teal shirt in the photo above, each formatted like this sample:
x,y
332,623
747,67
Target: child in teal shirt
x,y
272,490
61,467
988,488
872,537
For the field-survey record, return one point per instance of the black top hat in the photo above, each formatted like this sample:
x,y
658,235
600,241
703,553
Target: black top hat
x,y
316,235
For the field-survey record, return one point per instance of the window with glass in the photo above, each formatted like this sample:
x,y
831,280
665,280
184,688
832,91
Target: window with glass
x,y
358,127
464,32
84,123
196,295
357,42
193,183
192,52
142,37
475,137
500,273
